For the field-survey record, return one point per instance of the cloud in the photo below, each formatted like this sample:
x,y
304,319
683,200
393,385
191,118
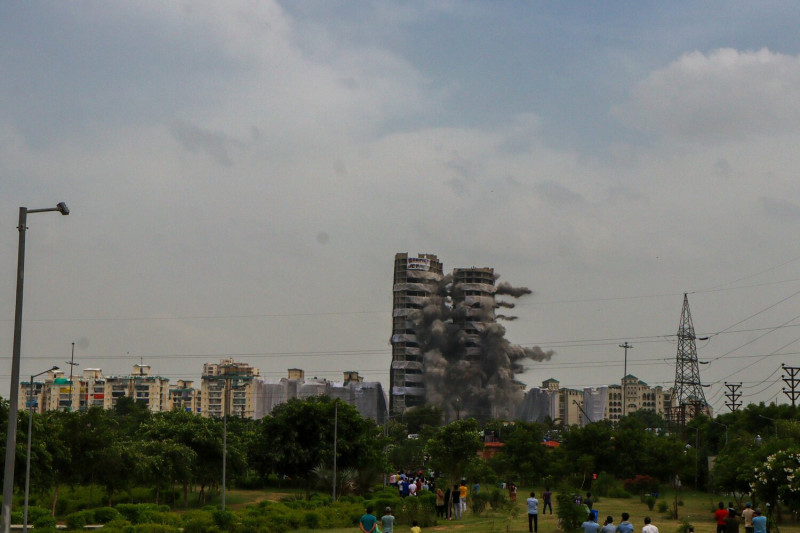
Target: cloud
x,y
194,139
726,94
780,209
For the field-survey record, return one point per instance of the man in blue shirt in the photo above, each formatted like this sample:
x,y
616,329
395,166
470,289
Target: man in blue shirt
x,y
368,522
590,526
759,522
533,513
625,526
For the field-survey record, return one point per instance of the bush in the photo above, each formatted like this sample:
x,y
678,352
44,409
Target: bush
x,y
118,525
641,484
421,509
479,502
313,520
498,499
79,519
223,519
44,522
104,515
198,522
570,514
155,528
662,507
684,526
650,501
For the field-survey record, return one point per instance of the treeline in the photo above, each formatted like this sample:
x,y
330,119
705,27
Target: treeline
x,y
178,456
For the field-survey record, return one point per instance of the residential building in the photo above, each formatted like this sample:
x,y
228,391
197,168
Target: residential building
x,y
415,280
228,388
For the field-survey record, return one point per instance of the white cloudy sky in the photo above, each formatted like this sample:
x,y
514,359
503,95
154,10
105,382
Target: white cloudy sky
x,y
241,174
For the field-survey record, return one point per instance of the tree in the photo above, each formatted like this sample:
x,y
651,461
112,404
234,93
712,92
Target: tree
x,y
523,457
778,478
454,447
299,437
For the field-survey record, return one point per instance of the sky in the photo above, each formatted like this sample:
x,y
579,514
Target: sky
x,y
240,175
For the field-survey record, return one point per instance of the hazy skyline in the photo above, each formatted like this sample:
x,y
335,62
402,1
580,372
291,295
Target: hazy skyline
x,y
241,174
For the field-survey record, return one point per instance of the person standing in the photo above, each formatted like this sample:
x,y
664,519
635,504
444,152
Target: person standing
x,y
368,522
732,522
590,526
387,521
512,492
462,493
533,513
759,522
439,503
608,525
456,497
448,504
547,496
747,516
648,527
625,526
588,502
720,515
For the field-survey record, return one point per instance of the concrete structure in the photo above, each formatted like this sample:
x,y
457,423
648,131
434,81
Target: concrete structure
x,y
597,403
366,396
230,386
184,397
415,279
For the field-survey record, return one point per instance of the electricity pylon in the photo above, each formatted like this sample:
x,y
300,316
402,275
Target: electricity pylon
x,y
688,398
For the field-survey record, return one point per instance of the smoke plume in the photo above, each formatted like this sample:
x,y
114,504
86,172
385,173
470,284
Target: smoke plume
x,y
470,366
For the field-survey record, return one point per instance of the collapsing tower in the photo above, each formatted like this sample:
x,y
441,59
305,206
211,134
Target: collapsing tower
x,y
415,280
688,398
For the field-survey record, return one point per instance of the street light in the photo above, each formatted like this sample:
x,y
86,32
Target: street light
x,y
775,422
28,457
723,425
13,397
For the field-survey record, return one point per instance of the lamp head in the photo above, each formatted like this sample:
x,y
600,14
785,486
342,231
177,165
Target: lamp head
x,y
54,368
62,208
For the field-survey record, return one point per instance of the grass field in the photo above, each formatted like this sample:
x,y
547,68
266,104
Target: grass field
x,y
697,509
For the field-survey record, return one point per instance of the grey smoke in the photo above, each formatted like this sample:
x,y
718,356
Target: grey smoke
x,y
470,367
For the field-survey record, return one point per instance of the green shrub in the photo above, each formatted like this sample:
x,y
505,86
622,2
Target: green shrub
x,y
35,513
478,503
44,523
570,514
17,517
118,525
198,522
313,520
223,519
79,519
684,526
423,510
650,501
662,507
155,528
103,515
498,499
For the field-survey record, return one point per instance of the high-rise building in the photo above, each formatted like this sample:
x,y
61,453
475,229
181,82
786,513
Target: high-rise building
x,y
415,280
228,387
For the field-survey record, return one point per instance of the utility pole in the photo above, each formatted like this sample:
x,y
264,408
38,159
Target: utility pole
x,y
71,364
792,381
733,396
627,346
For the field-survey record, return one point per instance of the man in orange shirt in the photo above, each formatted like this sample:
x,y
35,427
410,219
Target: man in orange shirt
x,y
462,492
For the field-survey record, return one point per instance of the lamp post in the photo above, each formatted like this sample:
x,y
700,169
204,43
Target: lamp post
x,y
28,456
723,425
775,422
13,397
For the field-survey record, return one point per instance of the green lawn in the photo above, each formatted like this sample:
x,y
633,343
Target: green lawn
x,y
697,509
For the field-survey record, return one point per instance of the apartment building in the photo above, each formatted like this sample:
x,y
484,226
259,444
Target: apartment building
x,y
228,387
415,280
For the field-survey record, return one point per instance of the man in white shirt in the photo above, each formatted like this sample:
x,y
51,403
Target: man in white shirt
x,y
648,527
533,513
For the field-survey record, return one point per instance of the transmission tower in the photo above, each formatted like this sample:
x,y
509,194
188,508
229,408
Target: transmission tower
x,y
733,396
688,398
793,381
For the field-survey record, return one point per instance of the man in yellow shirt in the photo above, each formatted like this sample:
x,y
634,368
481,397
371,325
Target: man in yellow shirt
x,y
462,492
